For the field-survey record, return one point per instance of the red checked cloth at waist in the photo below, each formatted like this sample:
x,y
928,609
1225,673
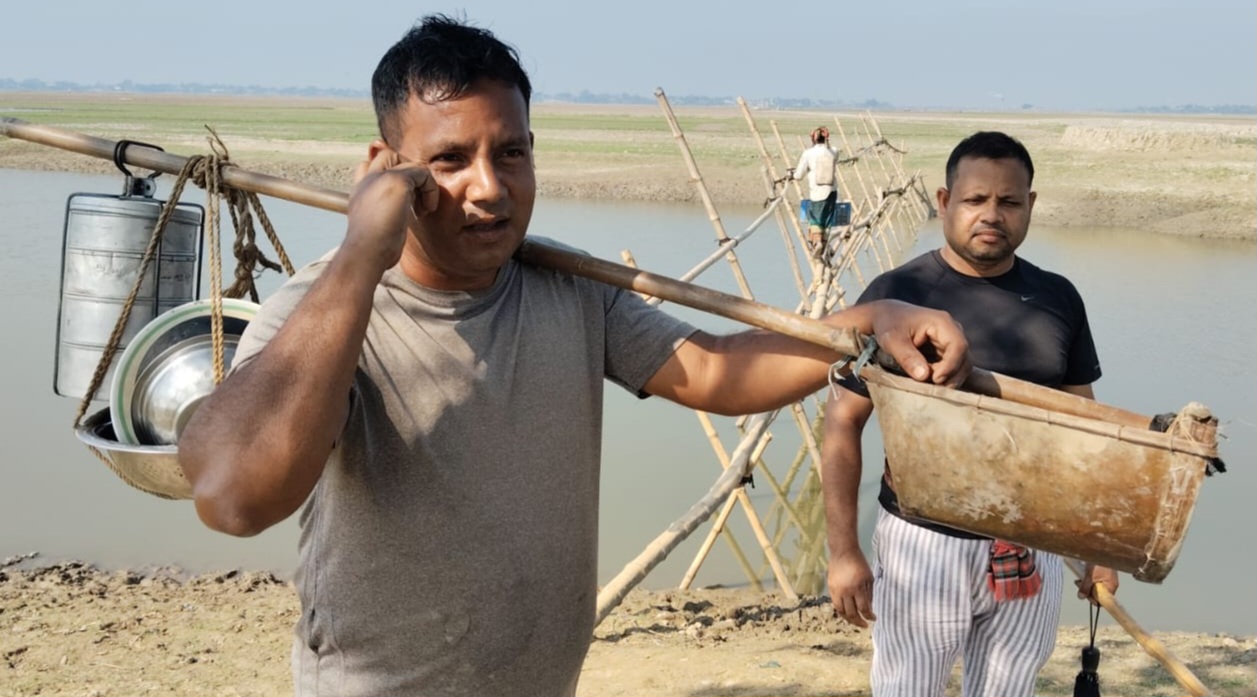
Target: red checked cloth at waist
x,y
1012,574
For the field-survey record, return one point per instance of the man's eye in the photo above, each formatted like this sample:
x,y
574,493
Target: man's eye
x,y
515,152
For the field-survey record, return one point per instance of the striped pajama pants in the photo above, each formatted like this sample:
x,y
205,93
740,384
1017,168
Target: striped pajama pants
x,y
933,606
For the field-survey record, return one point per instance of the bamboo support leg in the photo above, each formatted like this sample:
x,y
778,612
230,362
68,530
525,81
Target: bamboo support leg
x,y
800,501
808,431
768,161
1177,669
855,166
701,186
719,526
744,562
752,517
781,503
613,593
810,572
785,157
791,254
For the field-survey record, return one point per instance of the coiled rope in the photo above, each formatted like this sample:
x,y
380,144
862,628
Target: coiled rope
x,y
206,172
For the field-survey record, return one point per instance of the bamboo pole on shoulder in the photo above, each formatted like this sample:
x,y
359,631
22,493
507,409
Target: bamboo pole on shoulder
x,y
843,341
701,186
981,382
629,260
1153,646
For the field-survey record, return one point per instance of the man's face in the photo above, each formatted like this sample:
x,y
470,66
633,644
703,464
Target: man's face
x,y
479,151
985,214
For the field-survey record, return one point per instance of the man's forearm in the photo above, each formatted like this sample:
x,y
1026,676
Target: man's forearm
x,y
761,370
841,470
257,447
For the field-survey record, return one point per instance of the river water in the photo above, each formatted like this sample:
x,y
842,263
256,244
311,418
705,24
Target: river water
x,y
1168,316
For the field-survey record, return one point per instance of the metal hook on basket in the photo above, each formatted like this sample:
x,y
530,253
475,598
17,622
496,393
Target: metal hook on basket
x,y
870,350
134,186
866,355
836,376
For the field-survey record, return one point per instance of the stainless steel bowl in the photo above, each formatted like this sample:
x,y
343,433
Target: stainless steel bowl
x,y
172,384
151,468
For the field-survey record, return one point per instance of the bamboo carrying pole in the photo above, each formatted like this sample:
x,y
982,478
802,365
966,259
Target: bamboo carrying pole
x,y
843,341
1151,644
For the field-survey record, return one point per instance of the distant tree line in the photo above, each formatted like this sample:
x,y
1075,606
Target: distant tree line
x,y
581,97
1195,109
127,86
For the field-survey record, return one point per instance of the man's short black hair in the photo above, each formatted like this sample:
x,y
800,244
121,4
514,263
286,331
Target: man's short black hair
x,y
440,59
991,145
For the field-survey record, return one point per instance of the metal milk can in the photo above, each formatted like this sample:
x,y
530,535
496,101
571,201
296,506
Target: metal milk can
x,y
102,247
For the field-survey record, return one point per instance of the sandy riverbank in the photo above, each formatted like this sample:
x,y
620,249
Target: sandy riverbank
x,y
69,629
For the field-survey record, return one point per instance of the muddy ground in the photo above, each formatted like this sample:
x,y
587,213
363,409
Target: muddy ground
x,y
70,629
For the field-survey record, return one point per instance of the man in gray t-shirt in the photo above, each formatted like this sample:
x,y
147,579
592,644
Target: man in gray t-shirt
x,y
437,406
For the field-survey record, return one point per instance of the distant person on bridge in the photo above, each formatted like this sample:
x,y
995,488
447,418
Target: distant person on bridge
x,y
938,593
819,164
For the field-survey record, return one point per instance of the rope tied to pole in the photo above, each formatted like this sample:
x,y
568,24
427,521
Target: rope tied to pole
x,y
206,172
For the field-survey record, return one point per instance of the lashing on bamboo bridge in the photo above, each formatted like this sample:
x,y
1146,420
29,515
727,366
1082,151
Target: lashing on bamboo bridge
x,y
132,333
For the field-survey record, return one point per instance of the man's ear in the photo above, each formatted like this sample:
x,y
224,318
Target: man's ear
x,y
1034,195
944,196
375,148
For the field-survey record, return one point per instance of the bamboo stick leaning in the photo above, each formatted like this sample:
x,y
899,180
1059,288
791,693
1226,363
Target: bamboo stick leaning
x,y
1153,646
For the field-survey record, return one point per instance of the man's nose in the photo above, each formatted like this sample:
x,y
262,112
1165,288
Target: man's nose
x,y
991,212
485,184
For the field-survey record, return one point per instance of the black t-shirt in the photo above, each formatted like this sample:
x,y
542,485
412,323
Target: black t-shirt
x,y
1028,324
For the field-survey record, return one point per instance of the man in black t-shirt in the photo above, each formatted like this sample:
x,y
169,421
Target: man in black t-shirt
x,y
939,593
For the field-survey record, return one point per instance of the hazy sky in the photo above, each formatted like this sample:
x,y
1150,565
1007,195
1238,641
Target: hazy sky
x,y
1066,54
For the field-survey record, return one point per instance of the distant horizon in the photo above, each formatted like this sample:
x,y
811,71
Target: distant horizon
x,y
1068,55
584,96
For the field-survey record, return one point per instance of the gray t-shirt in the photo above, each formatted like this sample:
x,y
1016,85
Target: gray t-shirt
x,y
450,547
